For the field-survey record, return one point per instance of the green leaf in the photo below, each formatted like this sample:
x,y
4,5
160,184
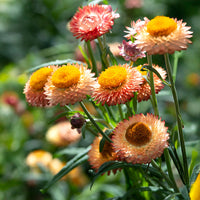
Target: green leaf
x,y
171,196
111,165
156,72
195,173
69,151
112,57
76,161
102,142
56,62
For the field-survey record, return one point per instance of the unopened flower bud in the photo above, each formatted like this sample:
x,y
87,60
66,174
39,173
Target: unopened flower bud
x,y
77,121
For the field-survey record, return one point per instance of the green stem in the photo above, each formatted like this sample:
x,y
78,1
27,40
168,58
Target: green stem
x,y
93,122
120,111
153,94
127,178
85,56
110,112
94,66
169,169
170,183
102,47
130,112
178,118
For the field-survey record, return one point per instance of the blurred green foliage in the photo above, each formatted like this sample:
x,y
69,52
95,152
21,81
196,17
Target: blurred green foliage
x,y
35,32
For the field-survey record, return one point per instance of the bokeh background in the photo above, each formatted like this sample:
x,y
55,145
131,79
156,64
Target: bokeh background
x,y
33,32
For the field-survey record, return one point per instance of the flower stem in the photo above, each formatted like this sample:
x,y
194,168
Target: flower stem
x,y
170,183
169,169
120,111
104,55
93,122
153,94
178,117
94,66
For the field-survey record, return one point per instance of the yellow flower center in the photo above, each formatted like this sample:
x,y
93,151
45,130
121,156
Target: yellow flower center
x,y
107,150
138,134
39,78
161,26
144,73
112,77
66,76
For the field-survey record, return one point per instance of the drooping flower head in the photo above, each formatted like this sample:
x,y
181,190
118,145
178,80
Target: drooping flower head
x,y
130,52
144,92
69,84
61,134
194,191
140,139
162,35
34,88
92,21
97,158
117,84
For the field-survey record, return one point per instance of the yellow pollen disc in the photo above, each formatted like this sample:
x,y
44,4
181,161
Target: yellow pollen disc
x,y
112,77
107,150
138,134
161,26
39,78
66,76
144,73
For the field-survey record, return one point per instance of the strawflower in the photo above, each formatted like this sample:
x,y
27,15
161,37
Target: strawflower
x,y
161,35
144,92
92,21
117,84
69,84
130,52
62,134
34,88
140,138
97,158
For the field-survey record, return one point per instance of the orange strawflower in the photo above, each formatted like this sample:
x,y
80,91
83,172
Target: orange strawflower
x,y
38,157
144,92
117,84
69,84
161,35
34,88
140,139
97,158
92,21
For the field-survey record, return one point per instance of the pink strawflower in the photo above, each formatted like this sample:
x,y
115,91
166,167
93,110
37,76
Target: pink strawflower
x,y
92,21
130,52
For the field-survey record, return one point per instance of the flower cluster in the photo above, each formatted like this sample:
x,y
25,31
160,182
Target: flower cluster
x,y
134,137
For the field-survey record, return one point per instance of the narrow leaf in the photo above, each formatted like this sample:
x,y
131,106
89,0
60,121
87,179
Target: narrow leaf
x,y
156,72
56,62
76,161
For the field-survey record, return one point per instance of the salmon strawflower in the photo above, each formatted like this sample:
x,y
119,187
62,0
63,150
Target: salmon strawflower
x,y
144,92
140,139
117,84
62,134
194,191
34,88
97,158
69,84
92,21
161,35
